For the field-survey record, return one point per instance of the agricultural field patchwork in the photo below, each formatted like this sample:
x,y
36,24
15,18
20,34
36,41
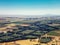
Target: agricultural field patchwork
x,y
29,29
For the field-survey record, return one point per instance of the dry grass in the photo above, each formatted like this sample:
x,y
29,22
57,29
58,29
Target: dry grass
x,y
22,42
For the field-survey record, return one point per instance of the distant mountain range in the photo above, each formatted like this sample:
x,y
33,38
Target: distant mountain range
x,y
29,17
47,15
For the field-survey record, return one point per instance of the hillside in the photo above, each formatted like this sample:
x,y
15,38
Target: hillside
x,y
24,30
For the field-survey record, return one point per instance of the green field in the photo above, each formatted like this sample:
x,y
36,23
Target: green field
x,y
54,33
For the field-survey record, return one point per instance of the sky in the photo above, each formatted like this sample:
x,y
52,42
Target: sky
x,y
29,7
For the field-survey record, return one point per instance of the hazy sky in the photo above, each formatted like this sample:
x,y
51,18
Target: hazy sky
x,y
29,7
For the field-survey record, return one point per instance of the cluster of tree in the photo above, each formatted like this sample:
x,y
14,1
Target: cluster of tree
x,y
45,39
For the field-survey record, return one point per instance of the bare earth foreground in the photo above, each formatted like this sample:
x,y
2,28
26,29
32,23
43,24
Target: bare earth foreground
x,y
32,42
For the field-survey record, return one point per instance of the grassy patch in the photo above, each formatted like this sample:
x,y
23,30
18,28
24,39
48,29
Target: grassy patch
x,y
27,31
30,36
38,33
54,33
